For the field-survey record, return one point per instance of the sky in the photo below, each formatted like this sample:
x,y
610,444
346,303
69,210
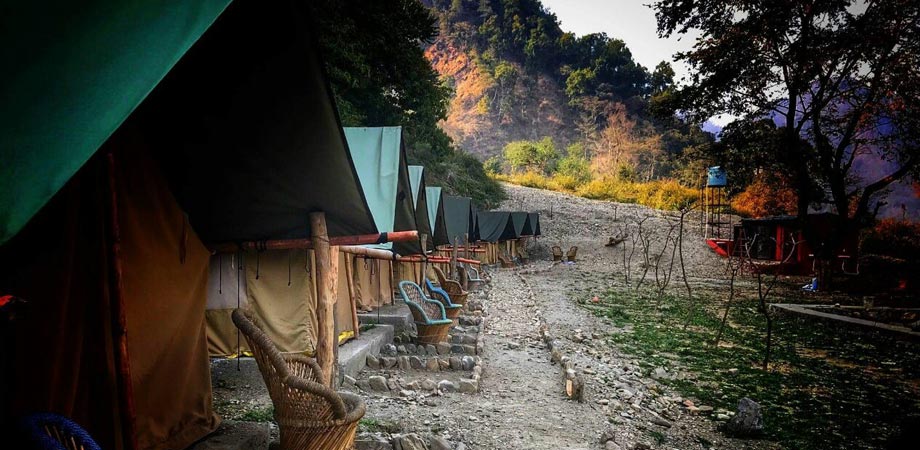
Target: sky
x,y
634,23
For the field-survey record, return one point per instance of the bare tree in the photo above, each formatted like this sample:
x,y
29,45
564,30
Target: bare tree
x,y
734,266
765,286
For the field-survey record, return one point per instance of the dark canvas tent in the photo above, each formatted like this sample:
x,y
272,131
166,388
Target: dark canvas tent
x,y
535,224
459,218
436,215
380,158
496,228
420,200
522,225
237,127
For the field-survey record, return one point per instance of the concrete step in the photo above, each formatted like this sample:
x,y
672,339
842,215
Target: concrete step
x,y
353,354
397,315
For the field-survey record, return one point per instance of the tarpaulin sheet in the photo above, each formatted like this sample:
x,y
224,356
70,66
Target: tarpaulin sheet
x,y
436,216
247,131
535,224
75,71
419,199
496,226
380,161
458,218
522,226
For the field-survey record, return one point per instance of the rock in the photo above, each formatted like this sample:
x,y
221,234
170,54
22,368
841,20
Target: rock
x,y
438,443
234,434
389,349
409,442
661,422
348,381
416,363
401,349
393,384
461,446
469,386
703,409
660,374
641,446
455,363
432,365
412,385
443,348
364,385
428,385
372,442
378,383
445,364
447,386
469,349
373,362
467,363
431,350
457,348
403,362
410,349
405,393
388,362
748,419
610,445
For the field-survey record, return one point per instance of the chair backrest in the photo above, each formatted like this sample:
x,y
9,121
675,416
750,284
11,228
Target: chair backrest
x,y
422,308
557,250
442,278
49,431
573,250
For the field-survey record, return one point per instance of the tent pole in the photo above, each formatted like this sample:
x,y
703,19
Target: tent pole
x,y
326,283
119,321
350,278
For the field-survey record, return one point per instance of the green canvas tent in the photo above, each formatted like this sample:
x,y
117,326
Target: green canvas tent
x,y
436,215
496,226
459,218
380,159
535,224
522,226
201,122
420,200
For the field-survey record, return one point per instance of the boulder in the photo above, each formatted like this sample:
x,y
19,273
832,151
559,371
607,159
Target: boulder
x,y
410,441
748,419
378,383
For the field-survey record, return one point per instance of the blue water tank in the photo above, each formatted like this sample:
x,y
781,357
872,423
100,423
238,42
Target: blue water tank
x,y
717,177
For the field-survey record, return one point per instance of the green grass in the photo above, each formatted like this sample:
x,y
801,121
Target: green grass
x,y
828,386
378,426
259,415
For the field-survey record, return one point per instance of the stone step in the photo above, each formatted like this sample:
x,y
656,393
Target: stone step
x,y
353,354
397,315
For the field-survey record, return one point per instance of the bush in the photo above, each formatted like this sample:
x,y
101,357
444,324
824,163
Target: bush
x,y
661,194
895,238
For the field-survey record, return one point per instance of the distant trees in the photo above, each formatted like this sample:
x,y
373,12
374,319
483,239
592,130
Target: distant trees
x,y
382,78
839,80
538,156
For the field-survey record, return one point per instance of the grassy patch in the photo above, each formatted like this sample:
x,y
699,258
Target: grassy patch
x,y
828,386
259,415
378,426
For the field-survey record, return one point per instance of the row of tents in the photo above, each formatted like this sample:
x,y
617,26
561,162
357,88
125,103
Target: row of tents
x,y
167,162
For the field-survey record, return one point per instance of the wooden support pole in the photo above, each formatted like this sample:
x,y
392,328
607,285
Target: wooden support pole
x,y
287,244
327,265
127,412
373,253
350,278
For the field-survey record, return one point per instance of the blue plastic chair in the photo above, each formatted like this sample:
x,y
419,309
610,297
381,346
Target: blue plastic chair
x,y
451,309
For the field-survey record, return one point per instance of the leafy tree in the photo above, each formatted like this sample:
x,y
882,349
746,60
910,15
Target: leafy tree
x,y
838,77
531,155
384,79
575,164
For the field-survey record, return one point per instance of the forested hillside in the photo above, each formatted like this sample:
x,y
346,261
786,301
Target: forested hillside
x,y
516,75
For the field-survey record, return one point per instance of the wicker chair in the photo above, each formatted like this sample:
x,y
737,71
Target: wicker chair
x,y
430,317
310,416
48,431
557,253
523,255
474,281
506,262
451,309
572,253
457,294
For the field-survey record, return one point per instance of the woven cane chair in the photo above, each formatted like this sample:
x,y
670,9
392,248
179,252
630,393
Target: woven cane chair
x,y
506,262
474,281
430,317
523,255
454,290
572,253
48,431
557,253
452,310
310,416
